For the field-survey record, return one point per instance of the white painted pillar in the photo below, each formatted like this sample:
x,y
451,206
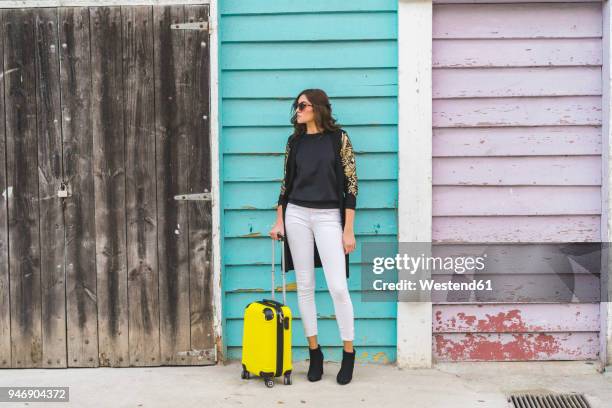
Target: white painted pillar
x,y
606,190
414,319
213,24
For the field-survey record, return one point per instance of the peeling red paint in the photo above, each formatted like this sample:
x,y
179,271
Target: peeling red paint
x,y
510,321
480,347
515,332
438,316
502,322
469,320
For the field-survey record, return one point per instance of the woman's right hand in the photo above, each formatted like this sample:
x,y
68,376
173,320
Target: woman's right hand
x,y
277,229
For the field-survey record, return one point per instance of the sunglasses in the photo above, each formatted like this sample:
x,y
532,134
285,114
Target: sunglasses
x,y
301,106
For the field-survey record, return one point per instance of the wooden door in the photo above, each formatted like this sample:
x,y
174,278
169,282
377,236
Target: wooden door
x,y
105,223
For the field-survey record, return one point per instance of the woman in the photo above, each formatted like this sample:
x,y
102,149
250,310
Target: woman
x,y
315,212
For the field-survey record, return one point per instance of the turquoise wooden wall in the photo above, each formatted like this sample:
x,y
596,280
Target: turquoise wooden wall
x,y
269,51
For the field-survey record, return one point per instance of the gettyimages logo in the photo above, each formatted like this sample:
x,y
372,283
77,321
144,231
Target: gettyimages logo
x,y
485,272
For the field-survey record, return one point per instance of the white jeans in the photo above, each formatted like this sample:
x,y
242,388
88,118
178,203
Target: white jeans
x,y
324,225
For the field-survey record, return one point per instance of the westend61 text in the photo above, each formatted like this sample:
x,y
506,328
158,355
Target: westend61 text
x,y
429,284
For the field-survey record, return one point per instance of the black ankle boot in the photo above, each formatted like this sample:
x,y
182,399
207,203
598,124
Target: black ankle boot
x,y
315,370
345,375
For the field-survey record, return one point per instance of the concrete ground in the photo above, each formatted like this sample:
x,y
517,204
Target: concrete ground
x,y
456,385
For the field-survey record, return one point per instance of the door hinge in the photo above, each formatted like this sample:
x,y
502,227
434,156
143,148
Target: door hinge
x,y
197,25
197,197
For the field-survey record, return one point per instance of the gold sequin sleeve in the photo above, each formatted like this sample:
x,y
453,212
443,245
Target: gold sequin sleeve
x,y
350,171
282,198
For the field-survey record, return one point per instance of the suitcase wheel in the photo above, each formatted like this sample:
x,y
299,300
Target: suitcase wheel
x,y
269,382
287,379
245,374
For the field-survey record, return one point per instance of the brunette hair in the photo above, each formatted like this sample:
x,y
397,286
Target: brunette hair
x,y
322,112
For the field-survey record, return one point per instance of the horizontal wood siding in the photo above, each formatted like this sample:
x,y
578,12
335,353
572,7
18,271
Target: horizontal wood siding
x,y
268,54
517,158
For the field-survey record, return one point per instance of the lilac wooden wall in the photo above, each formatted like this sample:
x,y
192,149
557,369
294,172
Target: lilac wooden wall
x,y
517,157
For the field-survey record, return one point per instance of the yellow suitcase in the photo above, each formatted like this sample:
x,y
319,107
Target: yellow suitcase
x,y
266,336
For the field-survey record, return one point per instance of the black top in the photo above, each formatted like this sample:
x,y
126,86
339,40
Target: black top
x,y
346,174
315,178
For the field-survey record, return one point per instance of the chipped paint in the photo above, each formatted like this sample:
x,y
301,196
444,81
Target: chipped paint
x,y
380,357
219,348
289,287
362,357
251,235
515,347
8,192
483,348
510,333
510,321
515,318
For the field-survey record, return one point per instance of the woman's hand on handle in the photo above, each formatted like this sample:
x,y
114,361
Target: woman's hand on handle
x,y
277,229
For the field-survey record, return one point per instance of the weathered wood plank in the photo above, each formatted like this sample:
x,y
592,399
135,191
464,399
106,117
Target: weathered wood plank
x,y
5,306
347,26
536,170
268,112
553,228
140,194
246,195
563,20
108,141
265,167
508,82
200,212
522,288
172,179
250,223
516,200
515,347
22,180
518,52
79,215
50,177
508,318
338,83
239,7
517,141
255,139
519,111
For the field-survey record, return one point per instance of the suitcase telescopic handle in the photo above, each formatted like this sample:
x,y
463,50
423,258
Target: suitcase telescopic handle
x,y
281,239
274,302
